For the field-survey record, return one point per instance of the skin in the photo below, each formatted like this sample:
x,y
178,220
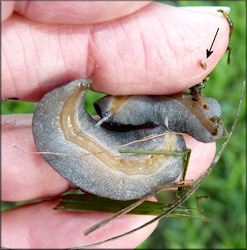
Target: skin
x,y
151,49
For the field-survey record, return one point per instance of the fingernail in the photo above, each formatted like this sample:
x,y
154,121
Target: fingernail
x,y
208,9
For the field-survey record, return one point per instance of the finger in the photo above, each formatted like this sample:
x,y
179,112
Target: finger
x,y
156,50
77,12
39,226
7,9
202,154
27,176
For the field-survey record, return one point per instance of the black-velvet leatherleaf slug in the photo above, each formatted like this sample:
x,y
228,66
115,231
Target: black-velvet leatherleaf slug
x,y
88,155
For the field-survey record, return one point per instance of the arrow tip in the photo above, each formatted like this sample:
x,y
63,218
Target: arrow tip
x,y
209,53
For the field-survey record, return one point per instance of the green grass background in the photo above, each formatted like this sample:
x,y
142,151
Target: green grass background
x,y
226,185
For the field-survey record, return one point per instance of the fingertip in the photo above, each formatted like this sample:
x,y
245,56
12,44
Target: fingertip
x,y
202,155
162,58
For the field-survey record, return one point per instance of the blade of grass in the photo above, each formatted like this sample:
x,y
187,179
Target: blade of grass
x,y
92,203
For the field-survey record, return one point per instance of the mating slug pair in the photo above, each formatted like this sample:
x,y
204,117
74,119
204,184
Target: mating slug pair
x,y
86,152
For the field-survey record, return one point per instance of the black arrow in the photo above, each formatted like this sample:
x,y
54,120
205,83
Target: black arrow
x,y
209,52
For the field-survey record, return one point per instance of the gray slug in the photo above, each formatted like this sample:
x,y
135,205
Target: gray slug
x,y
62,125
87,155
179,112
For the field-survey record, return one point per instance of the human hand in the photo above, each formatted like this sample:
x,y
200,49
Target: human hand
x,y
148,50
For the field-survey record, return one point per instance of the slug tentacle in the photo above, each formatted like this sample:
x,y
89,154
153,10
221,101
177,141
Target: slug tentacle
x,y
61,124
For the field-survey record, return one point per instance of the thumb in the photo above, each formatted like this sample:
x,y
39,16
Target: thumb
x,y
156,50
160,53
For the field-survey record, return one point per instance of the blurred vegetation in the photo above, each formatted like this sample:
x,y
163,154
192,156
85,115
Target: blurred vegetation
x,y
226,185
